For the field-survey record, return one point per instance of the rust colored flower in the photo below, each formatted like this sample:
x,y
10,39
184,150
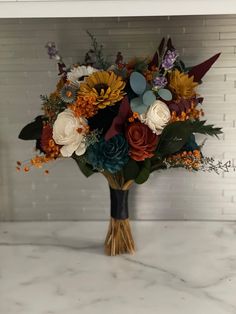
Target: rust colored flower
x,y
48,145
142,141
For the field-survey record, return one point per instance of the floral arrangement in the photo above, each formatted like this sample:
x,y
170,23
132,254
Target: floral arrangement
x,y
124,120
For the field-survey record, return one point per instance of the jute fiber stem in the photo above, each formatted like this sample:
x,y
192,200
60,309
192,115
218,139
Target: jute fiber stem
x,y
119,238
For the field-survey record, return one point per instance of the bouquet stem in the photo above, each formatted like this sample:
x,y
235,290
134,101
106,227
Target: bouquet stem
x,y
119,238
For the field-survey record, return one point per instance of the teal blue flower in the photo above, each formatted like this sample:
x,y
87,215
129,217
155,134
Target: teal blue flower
x,y
109,155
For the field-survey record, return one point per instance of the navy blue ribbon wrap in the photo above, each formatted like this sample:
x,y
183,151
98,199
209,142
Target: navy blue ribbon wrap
x,y
119,204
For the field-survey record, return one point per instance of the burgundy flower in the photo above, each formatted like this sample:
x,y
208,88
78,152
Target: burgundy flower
x,y
46,136
183,105
47,144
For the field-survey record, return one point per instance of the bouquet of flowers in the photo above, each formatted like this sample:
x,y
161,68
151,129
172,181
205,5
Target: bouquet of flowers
x,y
123,120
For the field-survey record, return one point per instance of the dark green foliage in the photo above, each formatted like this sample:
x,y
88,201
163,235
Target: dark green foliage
x,y
179,64
85,168
131,170
141,65
173,138
191,144
200,127
101,62
144,172
33,130
53,104
176,135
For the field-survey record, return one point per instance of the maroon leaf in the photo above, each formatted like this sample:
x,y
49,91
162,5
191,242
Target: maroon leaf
x,y
154,62
198,71
169,45
155,59
161,46
61,68
121,118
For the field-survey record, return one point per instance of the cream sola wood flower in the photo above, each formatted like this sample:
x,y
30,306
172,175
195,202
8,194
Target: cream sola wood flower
x,y
69,132
77,73
156,117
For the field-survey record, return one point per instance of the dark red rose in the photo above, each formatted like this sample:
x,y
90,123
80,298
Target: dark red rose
x,y
142,141
46,136
47,144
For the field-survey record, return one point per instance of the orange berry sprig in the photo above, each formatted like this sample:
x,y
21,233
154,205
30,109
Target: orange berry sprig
x,y
191,160
84,106
134,116
192,113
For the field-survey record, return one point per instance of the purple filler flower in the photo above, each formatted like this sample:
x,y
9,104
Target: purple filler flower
x,y
169,59
160,81
52,50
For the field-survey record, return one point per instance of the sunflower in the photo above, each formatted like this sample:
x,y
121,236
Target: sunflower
x,y
182,85
107,88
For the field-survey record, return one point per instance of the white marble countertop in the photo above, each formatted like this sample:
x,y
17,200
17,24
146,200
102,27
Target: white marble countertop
x,y
60,268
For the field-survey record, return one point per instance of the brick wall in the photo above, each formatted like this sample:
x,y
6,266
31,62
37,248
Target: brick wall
x,y
26,72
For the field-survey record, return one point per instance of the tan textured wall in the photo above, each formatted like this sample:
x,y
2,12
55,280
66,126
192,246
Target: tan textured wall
x,y
26,72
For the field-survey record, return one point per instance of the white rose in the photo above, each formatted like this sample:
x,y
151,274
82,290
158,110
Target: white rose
x,y
77,72
156,117
65,133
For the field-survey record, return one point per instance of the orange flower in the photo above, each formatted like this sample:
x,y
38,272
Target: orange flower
x,y
84,106
190,160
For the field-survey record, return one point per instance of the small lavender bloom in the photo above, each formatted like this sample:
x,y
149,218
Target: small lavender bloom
x,y
169,59
159,81
52,50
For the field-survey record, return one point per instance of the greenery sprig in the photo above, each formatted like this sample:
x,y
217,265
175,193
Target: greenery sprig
x,y
101,61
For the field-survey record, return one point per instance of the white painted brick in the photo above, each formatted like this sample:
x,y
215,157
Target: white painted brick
x,y
230,97
231,20
207,51
231,76
218,43
209,29
230,35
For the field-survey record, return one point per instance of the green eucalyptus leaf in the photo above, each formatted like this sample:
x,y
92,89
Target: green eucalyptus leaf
x,y
137,105
148,98
138,83
165,94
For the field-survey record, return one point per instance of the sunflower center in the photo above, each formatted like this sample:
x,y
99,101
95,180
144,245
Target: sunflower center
x,y
69,93
101,86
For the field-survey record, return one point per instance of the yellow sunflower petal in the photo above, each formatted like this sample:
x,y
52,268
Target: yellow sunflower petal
x,y
182,85
111,91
